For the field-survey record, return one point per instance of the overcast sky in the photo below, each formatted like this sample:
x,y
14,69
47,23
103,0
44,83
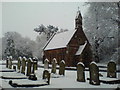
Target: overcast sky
x,y
23,17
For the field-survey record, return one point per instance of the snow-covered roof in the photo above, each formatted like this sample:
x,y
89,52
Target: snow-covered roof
x,y
60,40
81,48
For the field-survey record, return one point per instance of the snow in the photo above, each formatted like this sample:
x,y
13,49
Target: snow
x,y
46,60
25,58
81,64
93,62
81,48
57,81
60,40
63,61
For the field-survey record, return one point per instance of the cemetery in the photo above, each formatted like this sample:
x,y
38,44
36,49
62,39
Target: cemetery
x,y
84,57
27,73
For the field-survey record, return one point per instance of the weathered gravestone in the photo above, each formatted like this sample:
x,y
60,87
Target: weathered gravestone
x,y
29,66
7,62
46,75
62,68
46,64
54,63
34,65
19,63
10,62
23,65
14,67
80,72
94,74
111,69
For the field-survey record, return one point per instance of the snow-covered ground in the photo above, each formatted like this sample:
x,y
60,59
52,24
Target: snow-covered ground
x,y
67,81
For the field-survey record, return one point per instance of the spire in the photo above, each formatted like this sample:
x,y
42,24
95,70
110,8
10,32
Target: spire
x,y
78,14
78,20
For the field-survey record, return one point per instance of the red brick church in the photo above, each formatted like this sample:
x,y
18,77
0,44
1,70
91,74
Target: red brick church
x,y
71,46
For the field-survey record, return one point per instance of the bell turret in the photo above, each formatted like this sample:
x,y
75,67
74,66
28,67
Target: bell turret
x,y
78,20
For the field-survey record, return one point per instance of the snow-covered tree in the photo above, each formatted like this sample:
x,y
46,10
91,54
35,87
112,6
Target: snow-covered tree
x,y
101,27
21,46
49,30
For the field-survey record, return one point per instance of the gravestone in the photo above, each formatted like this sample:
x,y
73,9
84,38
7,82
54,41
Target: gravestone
x,y
111,69
94,74
7,62
54,63
10,62
62,68
19,63
29,66
46,75
14,67
23,65
80,72
34,65
46,64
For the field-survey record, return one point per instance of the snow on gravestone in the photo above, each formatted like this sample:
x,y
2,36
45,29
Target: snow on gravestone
x,y
35,64
23,65
62,68
10,62
94,74
54,63
29,66
80,72
111,69
19,63
46,64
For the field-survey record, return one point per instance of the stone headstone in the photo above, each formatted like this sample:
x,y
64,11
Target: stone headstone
x,y
7,62
80,72
10,62
111,69
34,65
23,65
94,74
62,68
19,63
46,75
54,63
29,66
46,64
14,67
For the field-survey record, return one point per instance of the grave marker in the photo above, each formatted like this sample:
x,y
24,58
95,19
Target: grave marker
x,y
62,68
29,65
111,69
94,74
19,63
80,72
46,64
23,65
54,63
46,75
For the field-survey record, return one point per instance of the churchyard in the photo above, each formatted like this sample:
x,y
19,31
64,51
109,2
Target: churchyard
x,y
30,73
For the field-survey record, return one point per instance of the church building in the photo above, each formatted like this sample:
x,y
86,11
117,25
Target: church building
x,y
71,46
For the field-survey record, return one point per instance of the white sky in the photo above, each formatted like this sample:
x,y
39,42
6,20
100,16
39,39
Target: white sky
x,y
23,17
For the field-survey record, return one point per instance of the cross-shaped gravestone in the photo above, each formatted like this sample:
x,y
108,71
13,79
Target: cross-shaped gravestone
x,y
19,63
23,65
29,66
80,72
10,62
46,75
54,63
111,69
94,74
46,64
62,68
